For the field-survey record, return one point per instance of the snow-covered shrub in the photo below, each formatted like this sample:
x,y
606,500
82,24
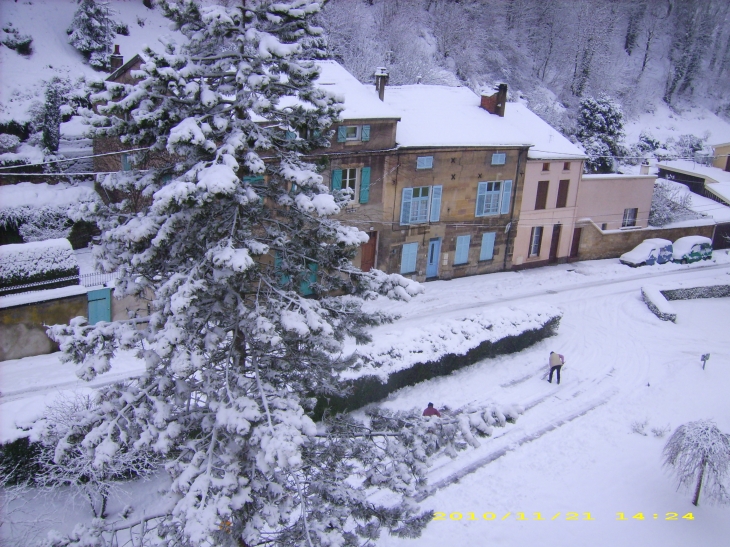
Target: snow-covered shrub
x,y
18,462
12,38
670,203
639,427
659,432
47,223
686,146
91,469
698,454
39,261
8,143
121,28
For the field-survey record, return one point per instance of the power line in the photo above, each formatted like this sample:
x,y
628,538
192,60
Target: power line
x,y
25,165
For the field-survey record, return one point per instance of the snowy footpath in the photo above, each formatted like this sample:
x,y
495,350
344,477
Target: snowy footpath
x,y
583,464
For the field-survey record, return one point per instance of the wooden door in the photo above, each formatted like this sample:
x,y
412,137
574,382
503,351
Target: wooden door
x,y
554,243
576,243
367,252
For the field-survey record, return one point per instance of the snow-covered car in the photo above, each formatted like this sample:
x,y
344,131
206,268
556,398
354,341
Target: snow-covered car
x,y
648,252
692,249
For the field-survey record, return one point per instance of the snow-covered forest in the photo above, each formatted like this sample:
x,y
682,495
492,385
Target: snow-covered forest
x,y
553,53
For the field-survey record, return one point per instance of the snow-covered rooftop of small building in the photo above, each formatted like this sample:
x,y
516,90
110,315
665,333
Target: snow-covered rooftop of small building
x,y
361,102
707,172
28,194
616,176
699,204
434,115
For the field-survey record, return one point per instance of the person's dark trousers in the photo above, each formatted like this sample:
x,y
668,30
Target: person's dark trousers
x,y
556,369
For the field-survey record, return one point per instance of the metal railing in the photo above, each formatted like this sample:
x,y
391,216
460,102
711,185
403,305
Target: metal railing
x,y
87,280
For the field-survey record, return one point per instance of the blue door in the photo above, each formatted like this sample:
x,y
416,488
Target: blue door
x,y
432,263
100,306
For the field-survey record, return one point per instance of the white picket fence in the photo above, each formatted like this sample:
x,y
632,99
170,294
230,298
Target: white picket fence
x,y
87,280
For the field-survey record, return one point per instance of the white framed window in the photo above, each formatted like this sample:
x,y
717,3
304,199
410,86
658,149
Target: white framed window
x,y
350,181
487,250
355,179
629,218
424,162
493,198
461,256
420,204
535,241
352,132
499,158
408,258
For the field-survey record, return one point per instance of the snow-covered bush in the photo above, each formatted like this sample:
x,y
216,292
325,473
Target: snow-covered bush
x,y
91,468
698,454
670,202
39,261
8,143
12,38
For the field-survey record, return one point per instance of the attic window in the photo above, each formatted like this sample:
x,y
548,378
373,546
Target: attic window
x,y
424,162
566,166
352,133
546,166
499,158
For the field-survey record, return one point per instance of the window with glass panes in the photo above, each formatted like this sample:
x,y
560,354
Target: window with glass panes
x,y
488,195
419,204
349,180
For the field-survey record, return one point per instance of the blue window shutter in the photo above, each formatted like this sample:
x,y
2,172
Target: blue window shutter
x,y
337,179
365,133
481,198
436,203
405,206
408,258
487,252
100,306
253,179
462,249
341,133
166,178
290,135
506,194
305,287
126,166
364,184
283,278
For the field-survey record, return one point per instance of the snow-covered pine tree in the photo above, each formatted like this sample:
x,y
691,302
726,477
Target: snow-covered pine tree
x,y
698,453
51,133
252,294
92,32
600,130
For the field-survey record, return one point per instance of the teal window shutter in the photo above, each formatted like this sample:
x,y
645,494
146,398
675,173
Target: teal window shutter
x,y
290,135
336,179
341,133
487,252
405,206
506,194
305,287
253,179
481,199
462,249
365,133
126,166
364,184
100,306
166,178
283,278
408,258
436,203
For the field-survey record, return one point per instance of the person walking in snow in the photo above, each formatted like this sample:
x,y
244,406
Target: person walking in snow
x,y
556,363
431,411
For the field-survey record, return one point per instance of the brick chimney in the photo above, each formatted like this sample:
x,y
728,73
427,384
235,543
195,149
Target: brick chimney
x,y
494,104
381,80
116,59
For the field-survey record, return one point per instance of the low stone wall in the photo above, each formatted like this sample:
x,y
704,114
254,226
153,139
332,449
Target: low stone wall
x,y
658,300
596,244
369,389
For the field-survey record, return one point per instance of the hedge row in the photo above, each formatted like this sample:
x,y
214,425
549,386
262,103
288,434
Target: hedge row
x,y
712,291
369,389
25,263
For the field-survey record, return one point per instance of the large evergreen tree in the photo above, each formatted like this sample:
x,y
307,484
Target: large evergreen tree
x,y
92,32
51,132
600,131
252,294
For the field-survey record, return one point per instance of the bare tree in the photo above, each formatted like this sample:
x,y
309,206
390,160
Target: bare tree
x,y
699,453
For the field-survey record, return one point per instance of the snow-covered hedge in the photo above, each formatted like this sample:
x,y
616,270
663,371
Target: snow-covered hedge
x,y
38,261
406,358
657,303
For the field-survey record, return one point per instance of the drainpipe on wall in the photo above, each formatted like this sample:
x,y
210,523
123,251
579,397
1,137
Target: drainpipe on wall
x,y
513,199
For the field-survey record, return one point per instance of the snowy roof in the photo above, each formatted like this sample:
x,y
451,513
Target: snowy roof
x,y
709,173
616,176
361,101
434,115
28,194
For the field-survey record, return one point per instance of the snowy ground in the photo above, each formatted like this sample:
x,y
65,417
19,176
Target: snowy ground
x,y
573,450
